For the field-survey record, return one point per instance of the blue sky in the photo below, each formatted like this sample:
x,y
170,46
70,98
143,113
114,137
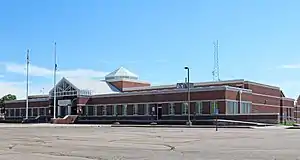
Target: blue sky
x,y
155,39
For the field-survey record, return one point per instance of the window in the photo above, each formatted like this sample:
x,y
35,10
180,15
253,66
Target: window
x,y
18,113
11,112
41,111
99,110
199,107
104,110
213,107
231,107
171,109
29,112
23,112
245,108
109,110
141,109
35,112
90,110
184,108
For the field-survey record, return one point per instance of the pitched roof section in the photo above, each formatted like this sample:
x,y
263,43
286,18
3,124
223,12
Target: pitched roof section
x,y
85,86
121,74
93,86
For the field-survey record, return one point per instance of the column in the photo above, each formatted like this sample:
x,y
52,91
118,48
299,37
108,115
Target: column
x,y
171,108
125,109
104,110
58,110
69,109
115,110
147,109
95,110
135,109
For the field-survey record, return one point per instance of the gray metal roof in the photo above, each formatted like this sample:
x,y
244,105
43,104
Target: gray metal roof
x,y
120,74
90,86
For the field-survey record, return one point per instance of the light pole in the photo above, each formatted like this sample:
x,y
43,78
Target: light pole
x,y
188,95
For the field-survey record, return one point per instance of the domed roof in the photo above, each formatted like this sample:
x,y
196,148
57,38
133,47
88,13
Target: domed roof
x,y
121,74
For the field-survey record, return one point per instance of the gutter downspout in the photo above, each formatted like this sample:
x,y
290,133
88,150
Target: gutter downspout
x,y
240,101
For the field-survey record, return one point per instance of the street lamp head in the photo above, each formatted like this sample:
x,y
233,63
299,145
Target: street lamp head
x,y
186,67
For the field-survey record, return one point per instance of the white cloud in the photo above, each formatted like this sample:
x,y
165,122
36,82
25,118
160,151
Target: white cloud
x,y
290,66
19,88
45,72
11,88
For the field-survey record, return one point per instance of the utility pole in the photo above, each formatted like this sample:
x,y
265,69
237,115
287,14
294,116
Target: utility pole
x,y
27,86
215,72
188,96
54,85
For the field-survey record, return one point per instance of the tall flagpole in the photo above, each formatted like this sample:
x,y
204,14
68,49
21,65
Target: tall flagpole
x,y
54,76
27,88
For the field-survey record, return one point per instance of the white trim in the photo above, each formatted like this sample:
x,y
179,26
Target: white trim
x,y
177,90
271,105
128,80
289,99
262,85
61,81
270,96
198,84
30,100
110,104
226,82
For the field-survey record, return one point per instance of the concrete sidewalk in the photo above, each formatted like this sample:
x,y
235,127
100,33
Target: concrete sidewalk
x,y
179,126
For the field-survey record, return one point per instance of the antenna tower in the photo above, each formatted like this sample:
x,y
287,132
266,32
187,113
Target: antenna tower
x,y
215,72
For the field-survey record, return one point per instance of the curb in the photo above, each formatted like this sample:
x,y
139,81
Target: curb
x,y
180,126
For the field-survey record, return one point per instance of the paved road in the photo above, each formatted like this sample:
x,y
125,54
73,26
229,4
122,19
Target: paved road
x,y
45,142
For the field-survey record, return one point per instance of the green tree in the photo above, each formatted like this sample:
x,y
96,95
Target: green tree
x,y
8,97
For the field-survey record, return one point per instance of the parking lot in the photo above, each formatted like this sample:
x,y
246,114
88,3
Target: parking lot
x,y
43,142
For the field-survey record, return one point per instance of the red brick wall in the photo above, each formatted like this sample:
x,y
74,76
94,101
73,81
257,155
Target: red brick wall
x,y
126,84
265,109
263,90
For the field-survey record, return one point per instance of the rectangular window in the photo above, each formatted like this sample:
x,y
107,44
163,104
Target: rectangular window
x,y
109,110
141,109
171,108
90,110
246,108
29,112
99,110
213,107
231,107
18,113
199,107
35,112
23,112
184,108
104,110
11,112
249,108
41,111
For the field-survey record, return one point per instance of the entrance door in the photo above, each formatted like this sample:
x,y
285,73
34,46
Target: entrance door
x,y
63,111
159,112
74,110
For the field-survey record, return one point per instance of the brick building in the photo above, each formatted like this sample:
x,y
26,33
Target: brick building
x,y
122,95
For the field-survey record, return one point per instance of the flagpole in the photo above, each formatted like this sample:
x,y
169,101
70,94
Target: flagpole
x,y
27,88
54,85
